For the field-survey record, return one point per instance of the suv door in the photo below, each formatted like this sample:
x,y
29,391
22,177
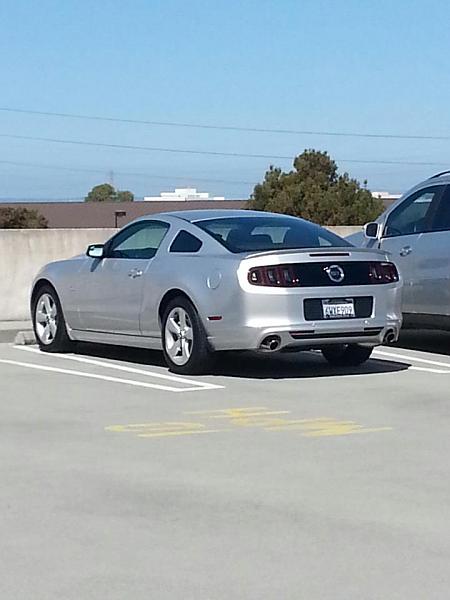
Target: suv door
x,y
432,291
404,236
112,286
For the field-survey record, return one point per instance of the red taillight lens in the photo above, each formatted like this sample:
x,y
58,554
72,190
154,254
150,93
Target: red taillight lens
x,y
274,276
383,272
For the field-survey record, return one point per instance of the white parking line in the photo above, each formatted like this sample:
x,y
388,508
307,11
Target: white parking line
x,y
427,370
413,358
95,376
197,385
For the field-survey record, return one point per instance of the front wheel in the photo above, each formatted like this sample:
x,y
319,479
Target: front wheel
x,y
185,344
48,321
346,355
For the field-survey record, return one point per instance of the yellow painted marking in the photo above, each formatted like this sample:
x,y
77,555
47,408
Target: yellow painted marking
x,y
239,413
345,430
321,422
172,433
258,417
325,427
247,417
165,425
167,428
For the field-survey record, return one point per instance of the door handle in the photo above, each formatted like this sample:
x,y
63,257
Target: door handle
x,y
135,273
405,251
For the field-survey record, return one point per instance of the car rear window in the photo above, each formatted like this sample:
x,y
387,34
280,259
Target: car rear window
x,y
255,234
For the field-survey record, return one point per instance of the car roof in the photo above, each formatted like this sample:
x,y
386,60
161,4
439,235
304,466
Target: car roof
x,y
443,176
193,216
438,179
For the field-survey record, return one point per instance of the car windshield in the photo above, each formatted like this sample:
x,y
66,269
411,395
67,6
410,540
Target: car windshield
x,y
253,234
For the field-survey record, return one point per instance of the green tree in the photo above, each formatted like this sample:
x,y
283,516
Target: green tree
x,y
105,192
125,196
21,218
314,190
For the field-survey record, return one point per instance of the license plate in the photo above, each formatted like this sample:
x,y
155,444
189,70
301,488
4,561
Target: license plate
x,y
338,309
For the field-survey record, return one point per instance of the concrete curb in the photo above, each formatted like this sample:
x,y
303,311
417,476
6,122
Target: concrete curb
x,y
15,336
10,330
25,338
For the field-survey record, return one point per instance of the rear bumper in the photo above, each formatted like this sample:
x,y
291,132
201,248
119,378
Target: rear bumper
x,y
282,315
302,337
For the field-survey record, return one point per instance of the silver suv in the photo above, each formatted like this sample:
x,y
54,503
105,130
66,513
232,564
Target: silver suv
x,y
416,231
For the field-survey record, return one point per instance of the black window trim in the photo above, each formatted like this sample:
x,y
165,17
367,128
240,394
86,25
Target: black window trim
x,y
435,203
134,226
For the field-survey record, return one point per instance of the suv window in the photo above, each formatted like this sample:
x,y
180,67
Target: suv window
x,y
414,214
186,242
140,240
441,221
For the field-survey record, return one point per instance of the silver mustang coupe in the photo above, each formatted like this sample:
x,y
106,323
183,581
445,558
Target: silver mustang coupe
x,y
197,282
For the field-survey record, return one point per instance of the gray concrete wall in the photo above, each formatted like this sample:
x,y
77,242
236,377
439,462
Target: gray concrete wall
x,y
24,251
345,230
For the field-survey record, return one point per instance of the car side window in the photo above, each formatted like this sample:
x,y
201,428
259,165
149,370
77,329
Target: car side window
x,y
139,241
185,242
413,214
441,221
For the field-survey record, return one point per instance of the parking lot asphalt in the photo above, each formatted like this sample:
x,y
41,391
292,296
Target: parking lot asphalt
x,y
274,477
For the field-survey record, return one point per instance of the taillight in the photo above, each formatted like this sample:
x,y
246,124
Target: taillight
x,y
383,272
274,276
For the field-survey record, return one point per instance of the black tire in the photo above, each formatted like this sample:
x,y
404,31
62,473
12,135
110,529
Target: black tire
x,y
346,355
60,341
201,355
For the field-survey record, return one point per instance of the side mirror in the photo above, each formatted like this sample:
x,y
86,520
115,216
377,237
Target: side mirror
x,y
371,230
95,250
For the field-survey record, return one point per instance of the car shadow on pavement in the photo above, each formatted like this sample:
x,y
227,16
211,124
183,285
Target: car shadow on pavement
x,y
249,365
299,365
437,342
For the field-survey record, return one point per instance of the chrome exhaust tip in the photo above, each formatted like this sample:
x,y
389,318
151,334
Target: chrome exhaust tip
x,y
271,343
390,337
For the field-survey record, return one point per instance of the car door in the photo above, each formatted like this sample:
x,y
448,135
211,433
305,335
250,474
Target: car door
x,y
405,236
432,290
112,286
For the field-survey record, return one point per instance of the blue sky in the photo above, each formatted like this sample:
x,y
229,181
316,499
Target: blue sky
x,y
345,65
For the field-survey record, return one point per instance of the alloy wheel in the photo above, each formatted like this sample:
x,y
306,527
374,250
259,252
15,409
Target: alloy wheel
x,y
179,337
46,318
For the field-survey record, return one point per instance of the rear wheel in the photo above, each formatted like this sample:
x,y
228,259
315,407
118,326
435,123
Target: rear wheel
x,y
48,321
349,355
185,344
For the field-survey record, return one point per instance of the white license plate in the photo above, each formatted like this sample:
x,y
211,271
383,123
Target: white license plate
x,y
338,309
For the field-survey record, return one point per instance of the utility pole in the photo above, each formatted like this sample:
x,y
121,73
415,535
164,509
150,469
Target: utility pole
x,y
111,177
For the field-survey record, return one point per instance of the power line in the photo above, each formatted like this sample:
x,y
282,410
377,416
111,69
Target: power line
x,y
208,152
231,127
55,167
126,174
144,148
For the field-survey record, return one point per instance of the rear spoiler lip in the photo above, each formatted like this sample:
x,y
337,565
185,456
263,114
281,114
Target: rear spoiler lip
x,y
316,252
